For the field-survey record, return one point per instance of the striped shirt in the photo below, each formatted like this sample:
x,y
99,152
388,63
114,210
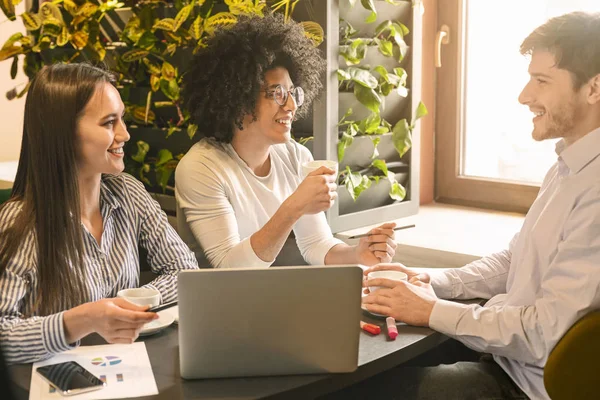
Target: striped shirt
x,y
131,218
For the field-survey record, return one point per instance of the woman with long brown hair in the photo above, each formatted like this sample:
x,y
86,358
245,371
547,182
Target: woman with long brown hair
x,y
69,235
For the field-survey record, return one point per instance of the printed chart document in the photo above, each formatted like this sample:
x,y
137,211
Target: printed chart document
x,y
124,367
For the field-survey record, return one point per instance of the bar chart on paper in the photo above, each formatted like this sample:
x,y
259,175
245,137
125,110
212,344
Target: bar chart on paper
x,y
125,369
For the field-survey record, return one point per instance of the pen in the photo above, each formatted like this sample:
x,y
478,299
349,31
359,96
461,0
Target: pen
x,y
163,306
398,228
371,328
391,328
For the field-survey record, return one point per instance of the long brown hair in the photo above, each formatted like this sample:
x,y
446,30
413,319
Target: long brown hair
x,y
47,183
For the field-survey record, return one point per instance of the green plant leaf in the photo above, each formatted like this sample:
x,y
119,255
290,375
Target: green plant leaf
x,y
344,142
385,47
32,22
8,8
64,37
51,26
355,183
142,150
182,16
368,97
401,137
154,69
170,89
313,31
380,165
70,6
143,115
369,124
146,41
362,77
14,67
354,52
369,5
80,39
163,156
166,24
87,10
397,192
168,71
343,75
163,174
197,28
10,52
134,55
222,19
419,113
154,82
191,130
375,140
172,130
12,40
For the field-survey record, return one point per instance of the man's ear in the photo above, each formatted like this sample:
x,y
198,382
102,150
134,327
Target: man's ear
x,y
594,90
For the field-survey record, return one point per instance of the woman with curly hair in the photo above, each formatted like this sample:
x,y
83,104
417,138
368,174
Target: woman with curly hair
x,y
239,190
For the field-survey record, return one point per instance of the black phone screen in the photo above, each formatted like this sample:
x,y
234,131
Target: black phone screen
x,y
69,376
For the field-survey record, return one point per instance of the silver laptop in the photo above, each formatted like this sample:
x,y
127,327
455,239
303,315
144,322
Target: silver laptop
x,y
275,321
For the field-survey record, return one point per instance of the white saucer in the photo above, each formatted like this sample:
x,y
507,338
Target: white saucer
x,y
374,314
164,320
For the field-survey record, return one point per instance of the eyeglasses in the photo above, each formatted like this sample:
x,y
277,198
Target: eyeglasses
x,y
280,95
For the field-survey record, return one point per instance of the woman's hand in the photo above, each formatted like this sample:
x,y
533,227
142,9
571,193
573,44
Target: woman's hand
x,y
378,247
116,320
316,193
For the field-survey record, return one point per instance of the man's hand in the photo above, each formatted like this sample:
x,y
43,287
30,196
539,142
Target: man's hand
x,y
406,302
413,275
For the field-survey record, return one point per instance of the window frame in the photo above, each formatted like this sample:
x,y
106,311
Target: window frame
x,y
451,186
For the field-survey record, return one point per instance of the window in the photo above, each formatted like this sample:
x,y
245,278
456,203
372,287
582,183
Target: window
x,y
485,155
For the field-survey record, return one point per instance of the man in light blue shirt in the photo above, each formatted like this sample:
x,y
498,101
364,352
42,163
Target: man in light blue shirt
x,y
549,277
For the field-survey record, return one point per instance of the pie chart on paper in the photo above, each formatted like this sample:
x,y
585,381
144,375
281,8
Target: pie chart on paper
x,y
106,361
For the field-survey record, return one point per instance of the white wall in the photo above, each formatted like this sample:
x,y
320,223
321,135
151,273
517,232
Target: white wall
x,y
11,112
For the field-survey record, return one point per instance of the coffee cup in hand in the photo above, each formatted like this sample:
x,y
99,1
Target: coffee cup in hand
x,y
311,166
141,296
392,275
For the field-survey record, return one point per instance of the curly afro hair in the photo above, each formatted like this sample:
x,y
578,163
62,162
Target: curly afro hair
x,y
222,85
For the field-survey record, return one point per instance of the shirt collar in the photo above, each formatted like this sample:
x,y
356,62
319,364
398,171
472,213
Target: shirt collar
x,y
581,153
107,197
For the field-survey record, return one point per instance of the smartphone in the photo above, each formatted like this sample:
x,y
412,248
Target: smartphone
x,y
70,378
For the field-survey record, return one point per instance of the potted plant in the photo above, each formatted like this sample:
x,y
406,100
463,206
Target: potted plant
x,y
374,131
148,45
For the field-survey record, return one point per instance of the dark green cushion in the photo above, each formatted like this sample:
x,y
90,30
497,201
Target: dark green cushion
x,y
4,195
571,371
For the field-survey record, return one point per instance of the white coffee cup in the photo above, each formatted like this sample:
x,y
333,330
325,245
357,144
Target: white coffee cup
x,y
141,296
311,166
392,275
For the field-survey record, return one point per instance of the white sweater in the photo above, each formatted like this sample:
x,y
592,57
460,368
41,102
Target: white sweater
x,y
221,203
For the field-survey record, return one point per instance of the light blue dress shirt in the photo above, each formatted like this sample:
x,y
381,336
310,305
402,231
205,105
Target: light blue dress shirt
x,y
547,279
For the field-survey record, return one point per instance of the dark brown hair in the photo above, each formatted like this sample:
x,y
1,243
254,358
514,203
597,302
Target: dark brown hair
x,y
574,40
46,184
